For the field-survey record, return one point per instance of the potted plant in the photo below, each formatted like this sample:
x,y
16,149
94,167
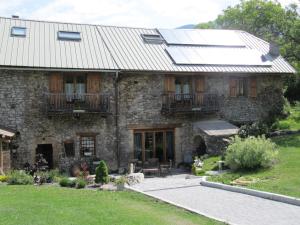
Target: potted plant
x,y
120,183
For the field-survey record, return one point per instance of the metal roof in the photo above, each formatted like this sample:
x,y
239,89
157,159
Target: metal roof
x,y
133,54
107,48
41,48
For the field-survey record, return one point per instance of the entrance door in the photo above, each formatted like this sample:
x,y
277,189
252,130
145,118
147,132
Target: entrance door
x,y
154,144
47,151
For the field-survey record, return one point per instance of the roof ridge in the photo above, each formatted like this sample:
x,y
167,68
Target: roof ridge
x,y
73,23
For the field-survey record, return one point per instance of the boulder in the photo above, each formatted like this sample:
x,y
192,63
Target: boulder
x,y
135,178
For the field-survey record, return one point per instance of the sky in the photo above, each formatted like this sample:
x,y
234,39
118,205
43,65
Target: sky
x,y
137,13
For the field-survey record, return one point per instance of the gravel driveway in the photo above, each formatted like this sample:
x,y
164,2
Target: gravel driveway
x,y
231,207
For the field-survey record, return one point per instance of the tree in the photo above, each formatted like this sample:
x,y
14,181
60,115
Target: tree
x,y
270,21
102,173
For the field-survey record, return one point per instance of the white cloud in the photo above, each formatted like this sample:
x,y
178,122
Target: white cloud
x,y
141,13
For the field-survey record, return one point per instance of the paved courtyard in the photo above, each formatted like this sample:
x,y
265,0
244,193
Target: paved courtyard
x,y
233,208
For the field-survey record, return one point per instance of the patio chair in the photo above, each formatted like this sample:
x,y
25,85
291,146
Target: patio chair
x,y
151,166
165,168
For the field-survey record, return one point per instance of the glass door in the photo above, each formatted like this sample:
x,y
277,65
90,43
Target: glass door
x,y
154,144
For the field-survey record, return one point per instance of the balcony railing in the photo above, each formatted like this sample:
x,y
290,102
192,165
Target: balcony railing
x,y
77,103
188,103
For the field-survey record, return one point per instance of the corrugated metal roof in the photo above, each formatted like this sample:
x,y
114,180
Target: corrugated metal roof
x,y
107,48
41,48
133,54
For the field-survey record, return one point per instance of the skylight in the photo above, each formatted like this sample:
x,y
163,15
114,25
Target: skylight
x,y
68,35
18,31
152,38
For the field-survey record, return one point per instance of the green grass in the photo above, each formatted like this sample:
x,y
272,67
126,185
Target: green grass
x,y
31,205
292,122
283,178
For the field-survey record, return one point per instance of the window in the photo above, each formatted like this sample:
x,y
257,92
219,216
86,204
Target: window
x,y
87,145
18,31
238,87
152,38
68,35
69,148
75,86
182,89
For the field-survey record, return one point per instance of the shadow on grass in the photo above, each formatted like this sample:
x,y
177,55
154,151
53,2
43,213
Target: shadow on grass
x,y
288,141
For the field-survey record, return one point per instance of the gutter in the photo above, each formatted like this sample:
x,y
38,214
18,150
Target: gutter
x,y
116,87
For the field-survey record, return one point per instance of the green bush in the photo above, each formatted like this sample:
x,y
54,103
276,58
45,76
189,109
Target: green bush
x,y
19,177
250,153
64,182
102,173
72,183
80,183
255,129
3,178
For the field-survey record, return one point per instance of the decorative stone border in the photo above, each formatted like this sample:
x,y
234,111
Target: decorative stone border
x,y
283,132
261,194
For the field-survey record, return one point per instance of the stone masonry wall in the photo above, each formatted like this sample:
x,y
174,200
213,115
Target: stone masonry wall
x,y
22,107
140,104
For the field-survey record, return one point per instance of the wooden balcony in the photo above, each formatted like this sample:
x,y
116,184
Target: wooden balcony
x,y
60,103
189,103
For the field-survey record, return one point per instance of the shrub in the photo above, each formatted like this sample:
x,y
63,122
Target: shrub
x,y
19,177
64,182
102,173
80,183
197,170
250,153
3,178
121,181
72,183
256,129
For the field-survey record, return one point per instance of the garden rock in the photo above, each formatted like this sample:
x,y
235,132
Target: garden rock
x,y
135,178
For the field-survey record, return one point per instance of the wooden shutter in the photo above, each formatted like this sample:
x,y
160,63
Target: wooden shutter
x,y
169,84
93,89
253,87
200,84
56,83
93,83
233,87
199,88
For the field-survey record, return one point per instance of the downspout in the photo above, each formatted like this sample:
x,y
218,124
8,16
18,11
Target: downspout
x,y
116,86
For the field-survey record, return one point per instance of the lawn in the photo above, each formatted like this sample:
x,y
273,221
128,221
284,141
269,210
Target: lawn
x,y
292,122
44,205
283,178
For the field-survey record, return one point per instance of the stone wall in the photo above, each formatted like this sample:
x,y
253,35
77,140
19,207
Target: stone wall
x,y
140,106
22,108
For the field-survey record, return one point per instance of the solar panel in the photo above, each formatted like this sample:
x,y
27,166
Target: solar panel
x,y
216,56
202,37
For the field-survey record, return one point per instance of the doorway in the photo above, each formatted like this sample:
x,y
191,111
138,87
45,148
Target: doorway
x,y
154,144
200,145
47,151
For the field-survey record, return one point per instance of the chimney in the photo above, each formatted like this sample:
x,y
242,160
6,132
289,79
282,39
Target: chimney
x,y
274,49
15,16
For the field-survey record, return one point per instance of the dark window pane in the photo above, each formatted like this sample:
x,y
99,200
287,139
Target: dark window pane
x,y
138,146
87,145
170,145
69,149
159,146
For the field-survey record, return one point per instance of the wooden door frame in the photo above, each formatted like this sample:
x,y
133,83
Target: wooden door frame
x,y
154,131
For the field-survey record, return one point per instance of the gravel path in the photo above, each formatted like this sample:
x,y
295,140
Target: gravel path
x,y
233,208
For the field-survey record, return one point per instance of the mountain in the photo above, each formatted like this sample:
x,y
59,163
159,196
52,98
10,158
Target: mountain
x,y
187,26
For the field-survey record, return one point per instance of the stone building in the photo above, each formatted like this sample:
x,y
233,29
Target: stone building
x,y
76,92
